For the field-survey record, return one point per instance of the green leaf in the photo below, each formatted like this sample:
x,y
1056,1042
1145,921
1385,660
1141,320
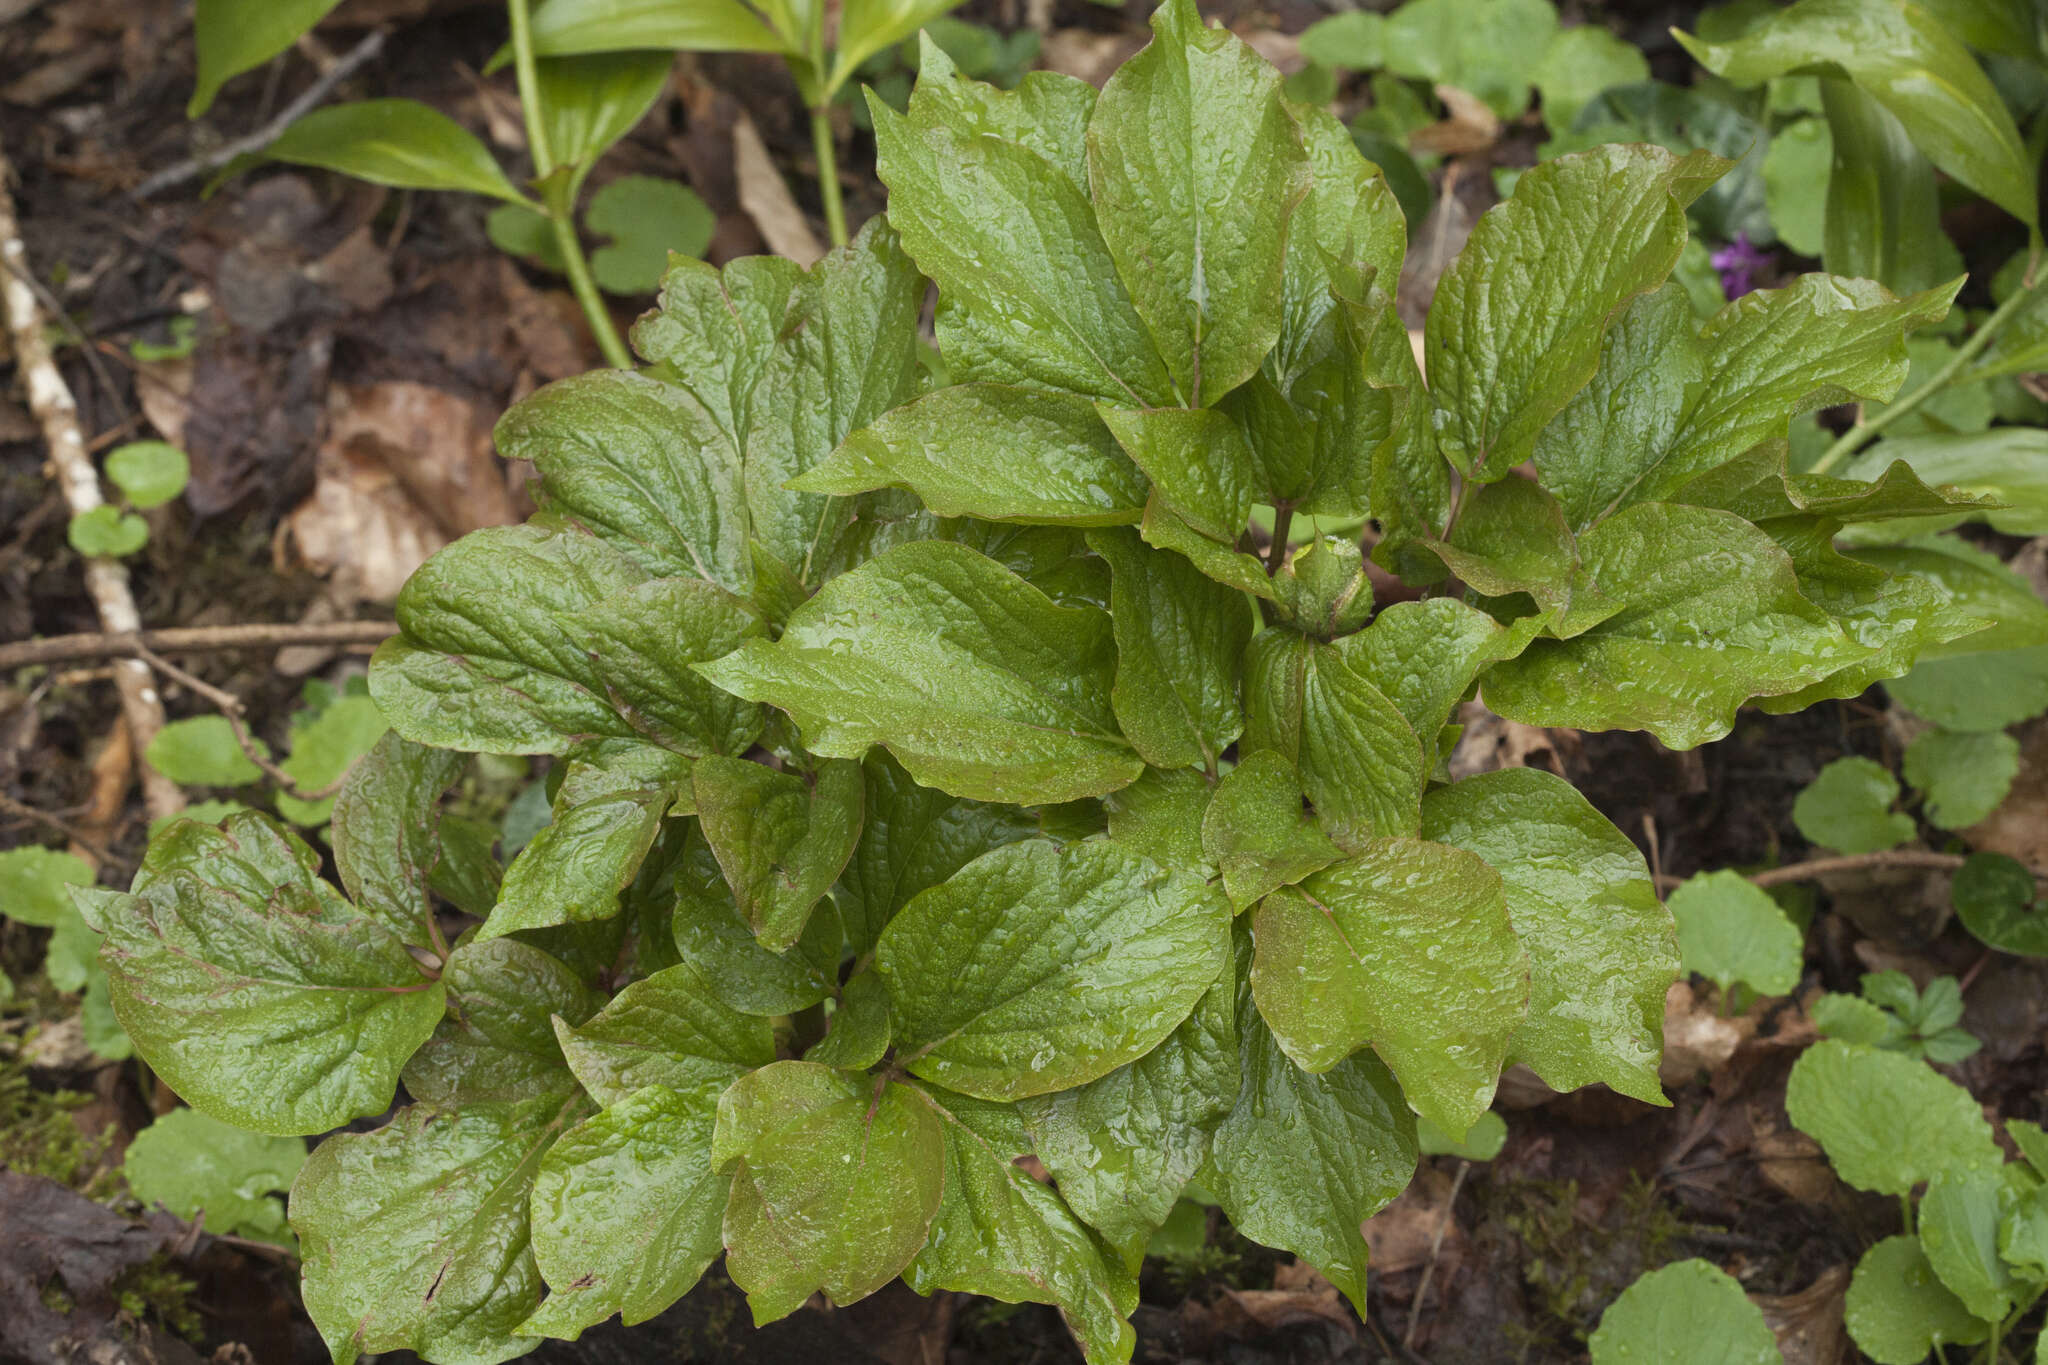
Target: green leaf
x,y
713,937
416,1236
1729,931
1424,656
1909,62
386,836
233,36
107,532
1257,833
1002,1234
1180,639
914,837
1123,1147
323,749
1987,679
1301,1160
1712,606
1853,1019
868,26
966,197
2032,1140
1883,211
996,452
1959,1220
1897,1310
518,230
589,102
1160,817
2023,1235
1998,902
561,27
499,1045
253,989
1688,1313
1195,169
627,1211
1168,530
72,959
1482,1142
400,143
1407,946
1684,119
1964,776
1509,340
837,1185
574,869
1484,47
635,461
1850,1099
189,1162
1848,807
781,839
1511,537
1009,703
860,1029
1351,41
33,882
148,473
1578,63
666,1031
2008,464
1601,947
1796,175
647,218
1036,968
201,752
1360,762
1197,460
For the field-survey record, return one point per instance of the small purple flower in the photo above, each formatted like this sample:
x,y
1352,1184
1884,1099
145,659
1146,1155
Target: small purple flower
x,y
1739,263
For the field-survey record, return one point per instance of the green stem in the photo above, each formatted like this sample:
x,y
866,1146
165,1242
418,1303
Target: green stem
x,y
828,175
1906,1214
561,214
1858,436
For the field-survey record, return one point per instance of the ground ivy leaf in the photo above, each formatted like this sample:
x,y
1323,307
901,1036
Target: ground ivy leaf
x,y
993,451
914,837
1180,639
1887,1121
1123,1147
1301,1160
1958,1221
1424,657
1406,946
484,662
1848,807
1898,1310
1052,314
1713,616
780,839
1197,460
574,869
666,1030
1360,762
194,1164
1729,930
1256,831
415,1236
1518,318
1036,968
1691,1311
713,937
1602,949
627,1211
33,882
499,1045
838,1180
1008,702
1964,776
641,464
386,833
1002,1234
1195,169
1160,817
1673,399
255,991
641,643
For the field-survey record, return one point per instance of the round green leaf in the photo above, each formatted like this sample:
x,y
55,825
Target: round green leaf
x,y
33,882
1729,931
1898,1310
1997,900
1965,776
1849,808
150,473
1690,1313
201,752
188,1161
1887,1121
646,218
107,532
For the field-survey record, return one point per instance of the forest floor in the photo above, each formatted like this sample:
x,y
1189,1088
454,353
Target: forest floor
x,y
353,348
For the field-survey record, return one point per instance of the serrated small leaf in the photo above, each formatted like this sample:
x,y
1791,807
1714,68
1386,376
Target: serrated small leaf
x,y
1850,1100
325,748
1999,902
33,882
1580,62
1963,776
1729,931
201,752
647,218
1853,1019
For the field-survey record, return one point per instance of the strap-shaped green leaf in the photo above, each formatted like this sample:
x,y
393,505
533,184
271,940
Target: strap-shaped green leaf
x,y
1883,210
253,988
1008,702
590,101
562,27
1036,968
233,36
401,143
780,839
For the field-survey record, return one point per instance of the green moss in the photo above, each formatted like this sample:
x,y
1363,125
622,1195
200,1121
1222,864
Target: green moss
x,y
39,1137
155,1291
1574,1267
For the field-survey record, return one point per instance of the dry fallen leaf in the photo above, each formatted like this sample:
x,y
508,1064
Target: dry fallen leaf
x,y
1401,1234
1696,1038
1468,126
1491,742
2019,827
1809,1324
767,200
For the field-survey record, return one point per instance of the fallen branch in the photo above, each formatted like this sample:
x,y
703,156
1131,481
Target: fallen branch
x,y
57,649
1815,868
315,95
92,847
49,397
230,706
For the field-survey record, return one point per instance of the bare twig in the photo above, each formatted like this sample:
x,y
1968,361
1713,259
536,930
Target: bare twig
x,y
315,95
124,644
1814,868
49,397
92,847
1436,1246
230,706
